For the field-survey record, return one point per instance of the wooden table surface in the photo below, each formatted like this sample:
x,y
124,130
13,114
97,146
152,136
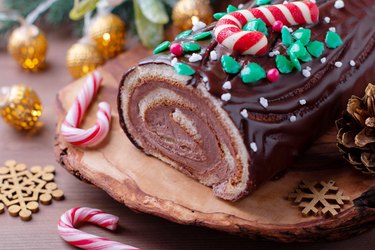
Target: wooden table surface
x,y
141,230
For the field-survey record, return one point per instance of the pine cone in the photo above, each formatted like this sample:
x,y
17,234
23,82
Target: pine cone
x,y
356,136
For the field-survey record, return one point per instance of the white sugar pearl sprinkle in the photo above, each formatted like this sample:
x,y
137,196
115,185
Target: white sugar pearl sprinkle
x,y
306,73
333,29
293,118
240,6
244,113
308,68
352,63
226,97
327,19
285,2
264,102
253,146
302,102
213,55
227,85
338,64
339,4
195,58
199,25
323,60
205,79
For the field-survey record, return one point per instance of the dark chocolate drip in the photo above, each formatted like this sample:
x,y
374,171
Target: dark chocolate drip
x,y
278,141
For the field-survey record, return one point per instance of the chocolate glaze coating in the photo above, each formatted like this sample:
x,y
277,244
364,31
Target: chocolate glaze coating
x,y
279,140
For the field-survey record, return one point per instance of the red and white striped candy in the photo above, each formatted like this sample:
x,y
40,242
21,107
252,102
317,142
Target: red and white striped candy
x,y
84,240
228,30
95,134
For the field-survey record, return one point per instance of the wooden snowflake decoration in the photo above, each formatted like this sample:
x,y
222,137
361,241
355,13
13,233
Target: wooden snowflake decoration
x,y
319,198
21,189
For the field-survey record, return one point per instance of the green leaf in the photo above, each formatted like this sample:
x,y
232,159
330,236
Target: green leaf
x,y
154,11
190,47
151,34
183,69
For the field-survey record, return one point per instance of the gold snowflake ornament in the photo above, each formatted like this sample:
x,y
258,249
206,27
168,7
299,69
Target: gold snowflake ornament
x,y
319,198
22,189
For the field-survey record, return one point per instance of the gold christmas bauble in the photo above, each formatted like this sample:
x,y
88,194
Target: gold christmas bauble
x,y
20,107
108,32
82,58
28,46
187,12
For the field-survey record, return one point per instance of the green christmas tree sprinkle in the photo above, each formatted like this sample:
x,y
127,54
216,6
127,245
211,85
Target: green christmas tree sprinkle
x,y
286,37
183,69
219,15
333,40
315,48
190,47
202,35
230,65
262,2
256,25
252,72
183,34
283,64
295,62
231,8
162,47
302,35
297,49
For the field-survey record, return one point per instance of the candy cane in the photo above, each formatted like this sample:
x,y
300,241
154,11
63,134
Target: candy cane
x,y
95,134
228,30
84,240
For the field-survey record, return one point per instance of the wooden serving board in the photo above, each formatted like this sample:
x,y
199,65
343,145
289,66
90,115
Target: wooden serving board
x,y
146,184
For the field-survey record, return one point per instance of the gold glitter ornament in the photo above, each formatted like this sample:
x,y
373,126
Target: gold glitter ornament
x,y
20,107
187,12
108,32
28,46
82,58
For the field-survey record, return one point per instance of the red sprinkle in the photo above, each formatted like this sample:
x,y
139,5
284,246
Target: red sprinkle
x,y
273,75
177,49
277,26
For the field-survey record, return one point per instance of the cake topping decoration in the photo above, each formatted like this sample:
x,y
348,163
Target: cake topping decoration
x,y
183,69
327,19
277,26
253,146
264,102
256,25
174,61
323,60
219,15
162,47
190,47
252,73
283,64
293,118
183,34
213,55
198,25
306,73
227,85
195,57
302,102
315,48
333,40
262,2
286,37
273,75
230,65
202,36
338,64
228,30
226,97
333,29
244,113
302,35
339,4
176,49
352,63
231,8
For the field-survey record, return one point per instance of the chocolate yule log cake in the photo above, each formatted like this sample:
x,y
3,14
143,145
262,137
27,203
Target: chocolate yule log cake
x,y
233,104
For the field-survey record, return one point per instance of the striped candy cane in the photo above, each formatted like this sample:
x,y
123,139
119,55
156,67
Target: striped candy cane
x,y
228,30
84,240
95,134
